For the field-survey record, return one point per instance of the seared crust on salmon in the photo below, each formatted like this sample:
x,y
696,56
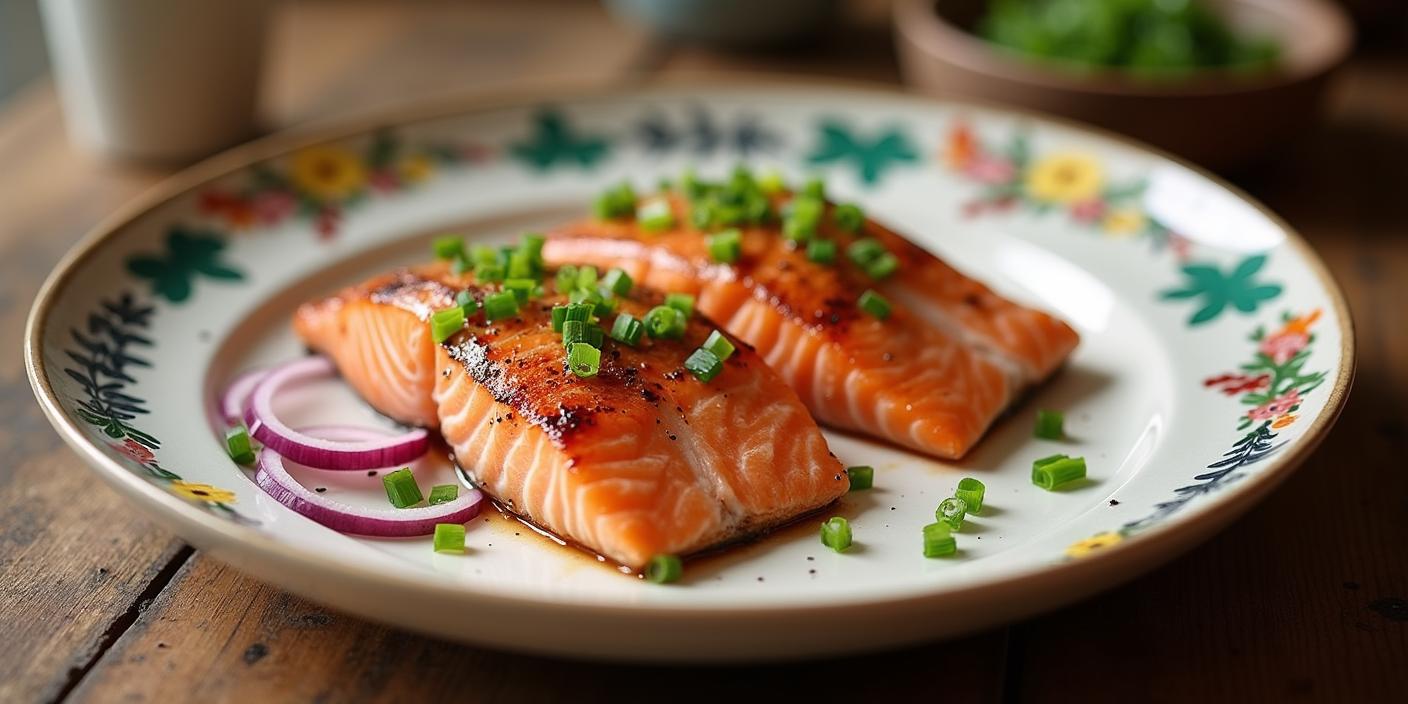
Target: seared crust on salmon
x,y
639,460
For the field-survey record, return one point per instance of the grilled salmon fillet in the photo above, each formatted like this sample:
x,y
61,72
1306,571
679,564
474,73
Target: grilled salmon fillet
x,y
641,459
949,359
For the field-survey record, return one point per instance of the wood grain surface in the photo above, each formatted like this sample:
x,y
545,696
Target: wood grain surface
x,y
1306,598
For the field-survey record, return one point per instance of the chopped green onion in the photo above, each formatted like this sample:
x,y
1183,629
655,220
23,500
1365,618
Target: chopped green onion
x,y
559,316
627,329
971,491
598,304
704,365
718,344
681,302
447,322
521,265
726,246
459,266
815,187
501,305
882,266
664,322
566,278
802,219
848,217
238,444
449,537
663,569
581,311
1053,474
1048,460
1050,425
616,202
401,488
483,255
448,248
952,512
655,215
821,251
574,331
836,533
465,300
874,304
618,282
583,359
443,493
772,183
862,477
489,273
522,289
586,278
532,244
864,251
938,541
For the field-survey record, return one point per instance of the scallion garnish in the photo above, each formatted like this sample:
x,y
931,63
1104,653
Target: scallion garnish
x,y
725,246
836,533
703,364
522,289
559,316
489,273
664,322
719,345
663,569
449,537
401,488
1052,473
583,359
618,282
566,278
681,302
238,444
821,251
655,215
848,217
952,512
501,305
772,183
447,322
971,491
938,541
443,493
862,477
815,187
574,331
483,255
448,248
532,243
882,266
616,202
627,330
802,219
465,300
1050,425
874,304
600,305
581,311
521,265
864,250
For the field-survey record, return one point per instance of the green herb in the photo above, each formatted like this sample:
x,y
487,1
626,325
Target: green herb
x,y
952,512
583,359
704,365
836,533
559,316
1050,425
447,322
681,302
862,477
864,251
443,493
802,218
971,491
814,187
874,304
522,289
499,306
719,345
238,444
401,488
618,282
465,300
938,541
655,215
566,278
586,279
882,266
616,202
1052,473
627,330
489,273
449,248
848,217
772,183
449,537
663,569
725,246
821,251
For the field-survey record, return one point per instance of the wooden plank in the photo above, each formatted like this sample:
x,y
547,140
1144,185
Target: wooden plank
x,y
1306,597
217,635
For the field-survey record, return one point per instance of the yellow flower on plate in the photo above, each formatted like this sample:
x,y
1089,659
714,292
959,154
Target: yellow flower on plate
x,y
202,492
1283,421
1095,543
1124,222
415,168
327,173
1065,178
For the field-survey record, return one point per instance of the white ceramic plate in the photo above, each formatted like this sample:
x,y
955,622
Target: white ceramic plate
x,y
1216,353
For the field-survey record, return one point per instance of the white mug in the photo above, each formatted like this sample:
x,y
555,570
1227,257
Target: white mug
x,y
157,80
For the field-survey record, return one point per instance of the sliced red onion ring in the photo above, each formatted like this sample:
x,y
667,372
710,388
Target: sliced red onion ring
x,y
236,397
388,522
370,453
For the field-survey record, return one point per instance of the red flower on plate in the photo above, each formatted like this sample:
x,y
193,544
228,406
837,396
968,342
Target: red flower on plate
x,y
137,451
1281,405
1088,211
986,169
272,207
1236,384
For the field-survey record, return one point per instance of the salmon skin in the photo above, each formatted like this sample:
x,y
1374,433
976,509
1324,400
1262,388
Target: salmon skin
x,y
949,359
640,460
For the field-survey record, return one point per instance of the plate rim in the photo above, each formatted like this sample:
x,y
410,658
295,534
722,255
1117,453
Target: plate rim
x,y
1161,543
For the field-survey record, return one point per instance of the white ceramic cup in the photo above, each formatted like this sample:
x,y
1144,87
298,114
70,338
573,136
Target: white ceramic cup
x,y
157,80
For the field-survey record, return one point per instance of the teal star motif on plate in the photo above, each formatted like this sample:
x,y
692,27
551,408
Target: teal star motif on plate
x,y
188,254
870,157
1217,290
554,141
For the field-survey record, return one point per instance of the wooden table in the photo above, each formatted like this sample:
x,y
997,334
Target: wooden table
x,y
1302,599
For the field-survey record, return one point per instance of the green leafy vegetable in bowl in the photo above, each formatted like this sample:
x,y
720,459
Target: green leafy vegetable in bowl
x,y
1145,37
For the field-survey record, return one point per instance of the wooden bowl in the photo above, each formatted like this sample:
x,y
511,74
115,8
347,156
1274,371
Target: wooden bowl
x,y
1219,118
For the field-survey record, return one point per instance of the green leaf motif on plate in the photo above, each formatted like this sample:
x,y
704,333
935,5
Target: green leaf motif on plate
x,y
1238,288
871,158
188,255
555,141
